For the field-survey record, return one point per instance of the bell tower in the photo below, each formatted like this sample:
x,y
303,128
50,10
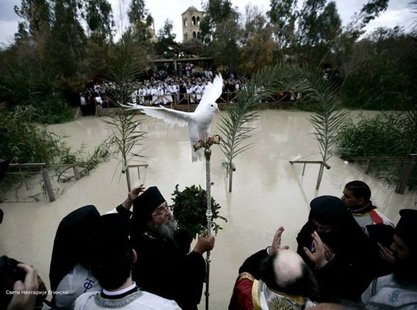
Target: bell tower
x,y
191,19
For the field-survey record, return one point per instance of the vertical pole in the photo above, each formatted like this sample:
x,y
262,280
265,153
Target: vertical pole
x,y
48,184
319,177
138,167
368,164
406,173
230,171
209,215
128,178
76,172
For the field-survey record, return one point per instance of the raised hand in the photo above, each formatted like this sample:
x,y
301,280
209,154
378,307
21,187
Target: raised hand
x,y
134,193
322,255
276,241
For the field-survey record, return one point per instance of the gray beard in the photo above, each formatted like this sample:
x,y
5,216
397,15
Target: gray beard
x,y
165,230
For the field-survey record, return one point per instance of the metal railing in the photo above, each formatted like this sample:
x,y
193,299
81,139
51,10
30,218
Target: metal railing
x,y
181,98
126,169
319,162
43,169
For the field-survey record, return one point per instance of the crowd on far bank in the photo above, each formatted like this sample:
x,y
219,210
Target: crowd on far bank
x,y
158,89
162,87
349,256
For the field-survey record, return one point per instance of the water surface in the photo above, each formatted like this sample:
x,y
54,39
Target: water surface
x,y
267,190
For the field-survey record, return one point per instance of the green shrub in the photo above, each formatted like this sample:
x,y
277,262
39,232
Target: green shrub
x,y
190,206
51,110
386,135
382,135
21,87
22,141
25,142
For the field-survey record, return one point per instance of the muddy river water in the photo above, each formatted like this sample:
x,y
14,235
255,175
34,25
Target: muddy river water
x,y
267,190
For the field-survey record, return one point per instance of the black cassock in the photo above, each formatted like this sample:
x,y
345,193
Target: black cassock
x,y
165,267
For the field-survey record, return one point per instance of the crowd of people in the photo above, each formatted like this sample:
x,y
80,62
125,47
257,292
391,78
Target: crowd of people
x,y
159,89
181,90
349,256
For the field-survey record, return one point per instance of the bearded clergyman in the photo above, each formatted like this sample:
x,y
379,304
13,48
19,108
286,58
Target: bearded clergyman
x,y
165,264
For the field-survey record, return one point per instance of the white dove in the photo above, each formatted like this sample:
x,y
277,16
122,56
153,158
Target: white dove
x,y
198,121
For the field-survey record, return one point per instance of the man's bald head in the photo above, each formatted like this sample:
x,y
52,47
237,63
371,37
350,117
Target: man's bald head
x,y
285,271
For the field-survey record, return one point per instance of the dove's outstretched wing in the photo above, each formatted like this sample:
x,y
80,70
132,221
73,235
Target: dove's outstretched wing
x,y
169,116
211,93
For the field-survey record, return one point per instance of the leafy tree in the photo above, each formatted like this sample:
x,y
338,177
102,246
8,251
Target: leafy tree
x,y
220,32
123,62
370,10
319,26
381,70
193,47
166,31
140,21
283,14
66,42
25,84
137,11
224,48
308,28
166,46
93,62
351,33
216,12
257,45
33,30
99,18
36,15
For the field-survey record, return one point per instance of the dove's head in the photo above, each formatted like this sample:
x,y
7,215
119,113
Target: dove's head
x,y
213,108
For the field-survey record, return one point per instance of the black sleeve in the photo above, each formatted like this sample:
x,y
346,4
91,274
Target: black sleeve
x,y
253,263
194,276
125,213
157,267
343,279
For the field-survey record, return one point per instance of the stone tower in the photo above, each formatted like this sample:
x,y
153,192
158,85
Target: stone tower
x,y
191,19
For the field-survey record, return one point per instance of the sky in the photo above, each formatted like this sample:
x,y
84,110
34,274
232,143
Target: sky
x,y
399,13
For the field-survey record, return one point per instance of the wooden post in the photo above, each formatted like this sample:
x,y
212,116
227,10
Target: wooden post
x,y
320,176
48,184
128,178
406,173
230,171
76,173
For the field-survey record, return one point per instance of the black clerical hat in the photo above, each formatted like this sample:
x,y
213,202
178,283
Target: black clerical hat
x,y
146,203
112,238
72,242
328,210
